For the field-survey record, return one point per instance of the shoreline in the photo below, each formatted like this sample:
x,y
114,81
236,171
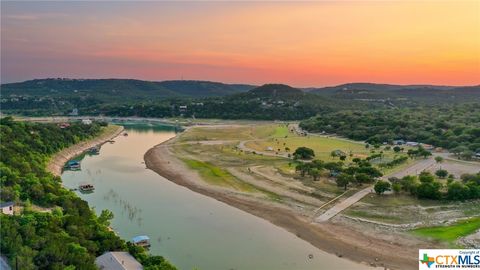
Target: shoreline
x,y
332,238
57,161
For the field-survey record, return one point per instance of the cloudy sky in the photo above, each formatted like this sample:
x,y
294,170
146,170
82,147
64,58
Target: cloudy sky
x,y
302,44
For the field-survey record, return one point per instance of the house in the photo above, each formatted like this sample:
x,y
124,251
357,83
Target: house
x,y
427,146
398,142
64,125
86,121
74,112
7,208
117,260
477,155
182,108
411,143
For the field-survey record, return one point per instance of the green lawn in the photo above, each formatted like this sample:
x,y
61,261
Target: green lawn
x,y
450,233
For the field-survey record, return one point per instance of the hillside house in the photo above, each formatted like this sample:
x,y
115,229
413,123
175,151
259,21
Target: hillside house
x,y
398,142
7,208
117,260
182,108
412,144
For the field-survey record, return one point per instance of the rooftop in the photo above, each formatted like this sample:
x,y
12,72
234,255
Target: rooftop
x,y
6,204
117,260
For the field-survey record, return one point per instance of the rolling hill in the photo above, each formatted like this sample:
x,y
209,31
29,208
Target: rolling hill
x,y
416,93
119,89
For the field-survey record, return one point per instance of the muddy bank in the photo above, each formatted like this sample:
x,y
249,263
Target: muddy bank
x,y
56,163
330,237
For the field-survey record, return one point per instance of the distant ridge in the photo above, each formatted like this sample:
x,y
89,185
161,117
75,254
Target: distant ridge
x,y
121,90
389,91
108,89
275,90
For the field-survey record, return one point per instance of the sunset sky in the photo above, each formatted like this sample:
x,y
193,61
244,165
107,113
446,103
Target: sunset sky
x,y
301,44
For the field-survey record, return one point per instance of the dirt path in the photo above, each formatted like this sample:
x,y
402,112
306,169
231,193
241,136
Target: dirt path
x,y
56,163
245,148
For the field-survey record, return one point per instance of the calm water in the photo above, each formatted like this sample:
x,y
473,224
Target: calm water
x,y
191,230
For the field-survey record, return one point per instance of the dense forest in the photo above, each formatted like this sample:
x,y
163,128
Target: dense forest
x,y
68,235
122,97
443,116
455,127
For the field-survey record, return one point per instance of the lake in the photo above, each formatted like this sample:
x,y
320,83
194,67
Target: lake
x,y
191,230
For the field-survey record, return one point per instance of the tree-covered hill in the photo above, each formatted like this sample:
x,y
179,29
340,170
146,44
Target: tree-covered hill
x,y
401,95
68,235
455,127
109,90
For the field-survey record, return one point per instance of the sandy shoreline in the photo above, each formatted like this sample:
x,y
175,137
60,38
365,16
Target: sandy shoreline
x,y
330,237
57,162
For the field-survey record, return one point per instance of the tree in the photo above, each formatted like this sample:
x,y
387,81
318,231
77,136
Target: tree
x,y
397,149
429,190
426,177
343,158
343,179
396,187
382,186
457,191
363,178
302,168
439,159
105,217
409,184
333,154
315,173
303,153
441,173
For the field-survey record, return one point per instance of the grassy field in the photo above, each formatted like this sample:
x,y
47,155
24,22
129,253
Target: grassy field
x,y
450,233
281,138
217,176
220,177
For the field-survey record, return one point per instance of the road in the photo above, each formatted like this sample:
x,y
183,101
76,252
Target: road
x,y
337,208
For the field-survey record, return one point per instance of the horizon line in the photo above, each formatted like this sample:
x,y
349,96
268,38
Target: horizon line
x,y
244,83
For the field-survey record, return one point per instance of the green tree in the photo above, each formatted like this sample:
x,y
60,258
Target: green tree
x,y
315,173
396,187
344,179
303,153
441,173
382,186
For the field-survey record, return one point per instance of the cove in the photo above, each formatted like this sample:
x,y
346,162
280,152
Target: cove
x,y
191,230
